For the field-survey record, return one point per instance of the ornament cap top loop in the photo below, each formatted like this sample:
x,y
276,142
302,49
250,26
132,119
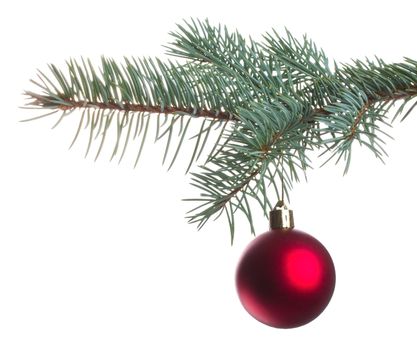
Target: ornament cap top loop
x,y
281,216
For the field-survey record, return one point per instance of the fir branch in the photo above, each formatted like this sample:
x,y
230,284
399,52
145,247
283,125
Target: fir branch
x,y
265,134
269,103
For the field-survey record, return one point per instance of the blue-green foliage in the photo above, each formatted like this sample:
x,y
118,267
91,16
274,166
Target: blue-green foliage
x,y
267,102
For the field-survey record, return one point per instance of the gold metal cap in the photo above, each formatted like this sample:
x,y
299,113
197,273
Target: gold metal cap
x,y
281,217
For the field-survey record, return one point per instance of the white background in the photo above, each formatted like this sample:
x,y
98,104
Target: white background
x,y
95,255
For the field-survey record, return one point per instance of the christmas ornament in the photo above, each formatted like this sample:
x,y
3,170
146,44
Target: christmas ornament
x,y
285,277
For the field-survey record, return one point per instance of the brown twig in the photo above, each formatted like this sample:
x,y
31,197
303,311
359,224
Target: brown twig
x,y
357,121
71,104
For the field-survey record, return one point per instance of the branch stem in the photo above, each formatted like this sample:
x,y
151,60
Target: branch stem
x,y
71,104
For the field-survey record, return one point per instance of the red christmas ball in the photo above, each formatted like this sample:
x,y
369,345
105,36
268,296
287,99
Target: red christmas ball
x,y
285,278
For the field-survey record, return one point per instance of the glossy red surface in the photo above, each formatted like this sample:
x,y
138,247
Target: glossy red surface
x,y
285,278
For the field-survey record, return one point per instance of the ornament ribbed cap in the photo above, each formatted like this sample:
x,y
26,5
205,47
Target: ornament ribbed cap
x,y
281,217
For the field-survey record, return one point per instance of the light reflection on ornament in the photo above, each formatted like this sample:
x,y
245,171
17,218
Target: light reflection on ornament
x,y
303,269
